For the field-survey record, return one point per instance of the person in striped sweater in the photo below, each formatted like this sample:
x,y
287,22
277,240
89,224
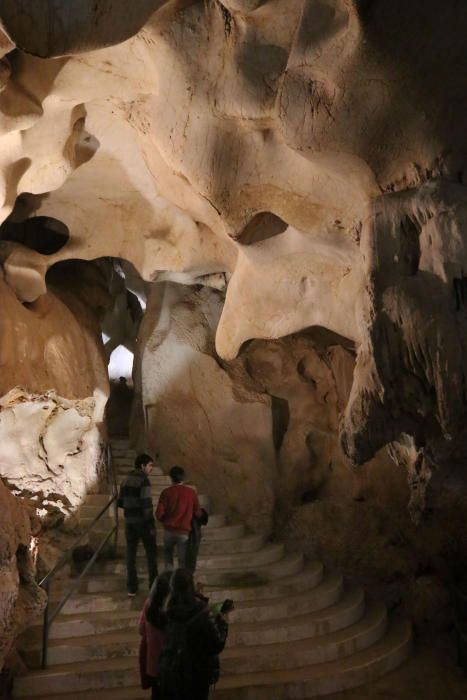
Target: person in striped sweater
x,y
136,500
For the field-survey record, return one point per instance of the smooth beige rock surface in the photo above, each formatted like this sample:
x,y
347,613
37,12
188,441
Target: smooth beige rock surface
x,y
196,416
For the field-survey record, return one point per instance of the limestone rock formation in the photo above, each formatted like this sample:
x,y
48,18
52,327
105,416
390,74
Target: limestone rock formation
x,y
50,429
50,449
54,27
21,599
304,159
195,415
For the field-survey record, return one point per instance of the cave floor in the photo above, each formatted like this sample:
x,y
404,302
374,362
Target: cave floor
x,y
431,673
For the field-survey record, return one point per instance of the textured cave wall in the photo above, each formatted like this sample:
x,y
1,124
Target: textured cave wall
x,y
194,414
21,599
410,378
261,434
54,387
306,158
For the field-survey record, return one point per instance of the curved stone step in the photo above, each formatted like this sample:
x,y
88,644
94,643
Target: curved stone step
x,y
248,544
320,679
216,530
288,585
289,565
326,593
223,578
224,533
269,554
236,660
341,614
251,544
210,548
118,679
307,579
91,616
308,650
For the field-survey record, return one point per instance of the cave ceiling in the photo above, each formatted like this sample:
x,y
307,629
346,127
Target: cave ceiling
x,y
286,152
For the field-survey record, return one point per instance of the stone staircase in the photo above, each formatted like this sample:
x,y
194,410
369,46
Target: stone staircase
x,y
297,631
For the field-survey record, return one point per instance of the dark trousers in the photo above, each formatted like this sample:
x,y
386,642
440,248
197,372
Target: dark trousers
x,y
134,533
201,691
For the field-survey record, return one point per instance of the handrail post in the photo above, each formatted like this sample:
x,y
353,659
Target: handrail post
x,y
45,627
114,486
45,583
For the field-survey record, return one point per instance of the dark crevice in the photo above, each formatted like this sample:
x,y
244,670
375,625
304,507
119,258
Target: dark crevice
x,y
280,420
43,234
460,291
23,564
410,244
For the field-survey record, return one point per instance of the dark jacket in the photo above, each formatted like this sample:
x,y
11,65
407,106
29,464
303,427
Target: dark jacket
x,y
206,637
135,498
194,539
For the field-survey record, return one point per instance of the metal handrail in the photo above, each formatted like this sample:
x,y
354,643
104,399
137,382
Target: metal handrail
x,y
45,582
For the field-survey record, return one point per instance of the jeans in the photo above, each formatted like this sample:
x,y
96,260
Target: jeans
x,y
174,540
135,532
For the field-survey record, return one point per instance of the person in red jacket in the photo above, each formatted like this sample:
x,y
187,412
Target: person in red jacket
x,y
152,624
177,506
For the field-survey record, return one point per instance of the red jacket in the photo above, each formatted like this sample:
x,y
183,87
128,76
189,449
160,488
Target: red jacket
x,y
177,506
150,647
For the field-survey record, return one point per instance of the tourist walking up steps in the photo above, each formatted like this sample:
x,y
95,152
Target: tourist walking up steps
x,y
178,505
152,625
194,638
136,500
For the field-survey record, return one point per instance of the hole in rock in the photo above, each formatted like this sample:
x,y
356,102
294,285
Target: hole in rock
x,y
460,291
43,234
308,497
120,364
410,244
280,420
23,563
261,227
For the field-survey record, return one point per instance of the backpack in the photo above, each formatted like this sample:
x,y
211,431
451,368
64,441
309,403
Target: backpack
x,y
175,666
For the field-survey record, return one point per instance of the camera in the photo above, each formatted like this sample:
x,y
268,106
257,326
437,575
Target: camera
x,y
227,606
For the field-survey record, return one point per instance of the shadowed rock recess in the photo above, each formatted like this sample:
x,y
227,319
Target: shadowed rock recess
x,y
262,205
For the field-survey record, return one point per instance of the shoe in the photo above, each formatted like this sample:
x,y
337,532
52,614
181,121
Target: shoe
x,y
131,594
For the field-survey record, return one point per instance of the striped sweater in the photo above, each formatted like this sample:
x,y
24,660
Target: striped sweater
x,y
135,498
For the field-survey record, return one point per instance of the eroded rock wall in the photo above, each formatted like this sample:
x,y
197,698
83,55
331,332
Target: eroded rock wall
x,y
195,415
54,387
261,435
21,599
304,158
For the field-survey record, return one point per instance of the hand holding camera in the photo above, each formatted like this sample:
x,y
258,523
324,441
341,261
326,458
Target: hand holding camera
x,y
227,607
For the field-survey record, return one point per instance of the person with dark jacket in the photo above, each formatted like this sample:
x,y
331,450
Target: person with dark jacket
x,y
136,500
188,617
152,630
194,540
178,505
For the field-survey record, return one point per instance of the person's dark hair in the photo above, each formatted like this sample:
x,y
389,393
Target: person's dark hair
x,y
155,611
142,460
177,474
181,590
